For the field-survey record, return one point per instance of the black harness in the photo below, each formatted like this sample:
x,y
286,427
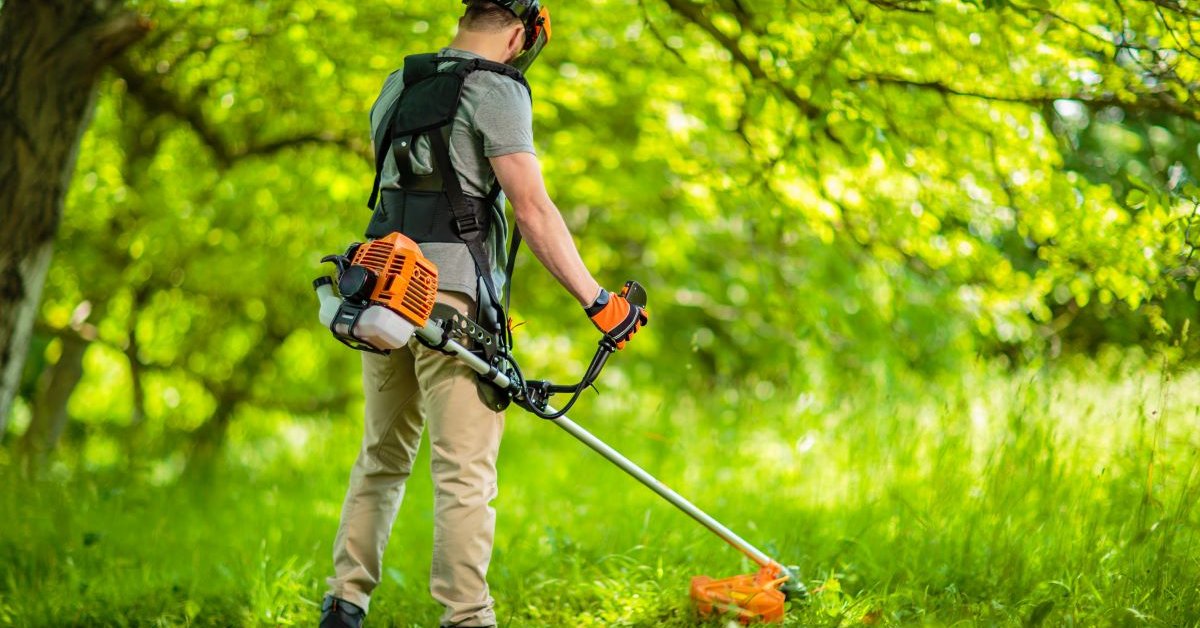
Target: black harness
x,y
433,207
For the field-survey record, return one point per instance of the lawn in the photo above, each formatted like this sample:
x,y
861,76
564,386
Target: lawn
x,y
1061,496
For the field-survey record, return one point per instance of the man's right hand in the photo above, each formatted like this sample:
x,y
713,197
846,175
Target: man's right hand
x,y
616,317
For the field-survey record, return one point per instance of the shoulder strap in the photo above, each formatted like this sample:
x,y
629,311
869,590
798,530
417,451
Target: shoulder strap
x,y
498,68
515,245
382,142
513,248
466,223
416,69
462,214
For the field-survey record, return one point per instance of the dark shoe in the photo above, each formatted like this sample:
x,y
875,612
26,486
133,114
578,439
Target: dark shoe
x,y
338,613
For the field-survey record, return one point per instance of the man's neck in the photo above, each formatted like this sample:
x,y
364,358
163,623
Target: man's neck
x,y
481,44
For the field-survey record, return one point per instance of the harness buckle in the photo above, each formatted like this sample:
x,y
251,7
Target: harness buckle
x,y
468,227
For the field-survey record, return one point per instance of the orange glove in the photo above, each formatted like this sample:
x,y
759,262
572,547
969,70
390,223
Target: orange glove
x,y
616,317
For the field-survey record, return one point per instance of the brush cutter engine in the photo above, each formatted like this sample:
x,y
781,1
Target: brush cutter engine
x,y
387,292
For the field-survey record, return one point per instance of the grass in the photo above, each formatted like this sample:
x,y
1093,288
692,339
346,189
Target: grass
x,y
1061,497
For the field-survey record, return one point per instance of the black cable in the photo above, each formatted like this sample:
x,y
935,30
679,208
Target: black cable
x,y
518,382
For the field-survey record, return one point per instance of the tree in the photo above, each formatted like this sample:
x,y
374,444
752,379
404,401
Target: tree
x,y
51,55
807,190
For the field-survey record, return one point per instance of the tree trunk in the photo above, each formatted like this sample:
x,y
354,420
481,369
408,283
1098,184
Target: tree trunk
x,y
18,310
50,409
209,438
51,55
133,449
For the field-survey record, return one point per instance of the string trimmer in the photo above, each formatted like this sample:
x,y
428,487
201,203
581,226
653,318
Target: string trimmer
x,y
387,294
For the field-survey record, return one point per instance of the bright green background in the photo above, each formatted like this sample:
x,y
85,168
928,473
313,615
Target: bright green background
x,y
922,289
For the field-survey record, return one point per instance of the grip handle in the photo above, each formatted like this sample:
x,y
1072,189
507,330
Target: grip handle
x,y
634,293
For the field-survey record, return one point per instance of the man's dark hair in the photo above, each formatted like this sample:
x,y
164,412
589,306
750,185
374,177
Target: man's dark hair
x,y
483,15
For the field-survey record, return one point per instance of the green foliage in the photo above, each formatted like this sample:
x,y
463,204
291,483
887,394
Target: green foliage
x,y
1064,496
837,209
871,189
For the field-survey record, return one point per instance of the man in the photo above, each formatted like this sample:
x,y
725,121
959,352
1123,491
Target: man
x,y
489,141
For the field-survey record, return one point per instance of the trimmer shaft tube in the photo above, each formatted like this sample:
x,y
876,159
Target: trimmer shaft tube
x,y
434,334
680,502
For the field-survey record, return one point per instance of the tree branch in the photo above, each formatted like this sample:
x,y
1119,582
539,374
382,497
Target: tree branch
x,y
906,6
159,100
156,99
658,35
1158,102
321,139
693,14
1177,7
111,37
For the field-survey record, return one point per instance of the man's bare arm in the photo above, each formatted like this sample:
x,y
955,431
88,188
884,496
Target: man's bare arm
x,y
520,175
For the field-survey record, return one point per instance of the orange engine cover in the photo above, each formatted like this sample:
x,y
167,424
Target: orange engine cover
x,y
751,597
407,282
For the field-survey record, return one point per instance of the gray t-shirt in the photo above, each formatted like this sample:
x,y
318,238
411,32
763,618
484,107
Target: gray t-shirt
x,y
494,118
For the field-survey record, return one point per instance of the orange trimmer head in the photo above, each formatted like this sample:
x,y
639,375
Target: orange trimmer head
x,y
751,597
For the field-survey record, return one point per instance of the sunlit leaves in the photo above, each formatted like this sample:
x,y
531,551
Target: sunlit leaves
x,y
807,191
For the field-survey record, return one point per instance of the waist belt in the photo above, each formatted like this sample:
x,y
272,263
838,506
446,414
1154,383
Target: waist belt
x,y
426,216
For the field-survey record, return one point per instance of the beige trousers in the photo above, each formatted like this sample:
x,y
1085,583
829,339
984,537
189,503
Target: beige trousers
x,y
405,390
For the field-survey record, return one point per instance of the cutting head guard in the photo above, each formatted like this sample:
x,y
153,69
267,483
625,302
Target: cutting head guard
x,y
536,19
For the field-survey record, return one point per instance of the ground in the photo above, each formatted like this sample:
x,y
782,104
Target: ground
x,y
1058,496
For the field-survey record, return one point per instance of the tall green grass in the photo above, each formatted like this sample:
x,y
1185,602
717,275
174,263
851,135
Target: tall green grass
x,y
1056,497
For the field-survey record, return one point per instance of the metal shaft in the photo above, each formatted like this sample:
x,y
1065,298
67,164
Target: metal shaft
x,y
433,334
